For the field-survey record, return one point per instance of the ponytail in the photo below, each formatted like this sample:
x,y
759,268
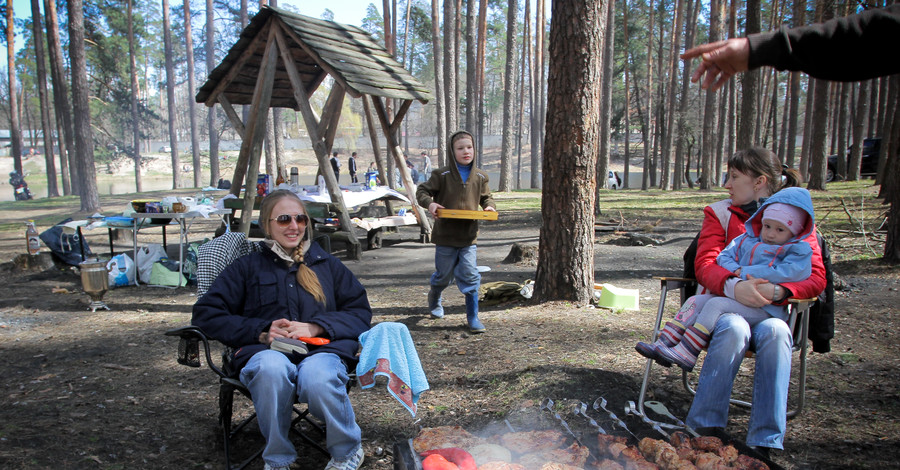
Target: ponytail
x,y
306,277
790,178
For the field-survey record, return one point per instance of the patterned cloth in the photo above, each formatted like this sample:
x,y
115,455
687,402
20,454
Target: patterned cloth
x,y
218,253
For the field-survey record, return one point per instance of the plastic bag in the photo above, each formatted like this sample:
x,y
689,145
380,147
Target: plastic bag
x,y
163,276
121,270
145,257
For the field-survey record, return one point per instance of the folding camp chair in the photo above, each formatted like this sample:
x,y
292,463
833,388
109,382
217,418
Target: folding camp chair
x,y
213,257
798,321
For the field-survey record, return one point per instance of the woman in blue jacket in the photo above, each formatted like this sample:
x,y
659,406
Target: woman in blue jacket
x,y
291,289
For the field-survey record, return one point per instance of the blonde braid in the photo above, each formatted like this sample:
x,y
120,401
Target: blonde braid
x,y
306,277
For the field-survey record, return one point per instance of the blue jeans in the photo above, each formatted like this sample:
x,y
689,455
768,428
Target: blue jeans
x,y
320,381
771,339
450,262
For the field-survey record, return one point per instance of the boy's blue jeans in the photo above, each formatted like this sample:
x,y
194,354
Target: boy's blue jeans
x,y
450,262
772,341
320,381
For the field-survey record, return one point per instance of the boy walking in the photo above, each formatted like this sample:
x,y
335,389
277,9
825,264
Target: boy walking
x,y
459,185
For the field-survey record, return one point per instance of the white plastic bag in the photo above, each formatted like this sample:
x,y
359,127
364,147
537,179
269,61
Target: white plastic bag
x,y
121,270
145,257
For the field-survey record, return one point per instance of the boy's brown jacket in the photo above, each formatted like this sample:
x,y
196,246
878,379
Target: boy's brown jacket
x,y
445,187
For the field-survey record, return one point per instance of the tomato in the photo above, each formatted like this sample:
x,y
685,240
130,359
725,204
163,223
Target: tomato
x,y
462,459
437,462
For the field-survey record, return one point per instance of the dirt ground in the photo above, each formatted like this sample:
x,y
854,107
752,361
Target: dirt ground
x,y
86,390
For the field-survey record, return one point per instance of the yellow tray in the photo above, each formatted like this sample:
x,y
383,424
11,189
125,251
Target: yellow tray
x,y
462,214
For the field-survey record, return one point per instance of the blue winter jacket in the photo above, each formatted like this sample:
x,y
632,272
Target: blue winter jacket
x,y
791,262
259,288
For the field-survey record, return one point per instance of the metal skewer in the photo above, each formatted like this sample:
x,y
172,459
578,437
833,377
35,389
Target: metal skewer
x,y
581,409
631,409
547,404
600,403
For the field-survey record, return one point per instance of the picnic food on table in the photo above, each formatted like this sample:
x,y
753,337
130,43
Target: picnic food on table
x,y
454,448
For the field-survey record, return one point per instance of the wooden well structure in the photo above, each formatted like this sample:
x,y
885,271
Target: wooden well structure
x,y
280,60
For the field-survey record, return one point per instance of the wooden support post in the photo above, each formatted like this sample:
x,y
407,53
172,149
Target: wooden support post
x,y
233,117
251,145
376,148
319,145
401,164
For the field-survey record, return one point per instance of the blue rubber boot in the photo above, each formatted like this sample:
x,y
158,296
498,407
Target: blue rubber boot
x,y
475,325
434,302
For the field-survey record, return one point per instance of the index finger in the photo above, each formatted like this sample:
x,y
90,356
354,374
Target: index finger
x,y
701,49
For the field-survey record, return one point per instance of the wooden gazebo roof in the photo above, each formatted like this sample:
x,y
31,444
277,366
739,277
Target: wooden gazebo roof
x,y
319,48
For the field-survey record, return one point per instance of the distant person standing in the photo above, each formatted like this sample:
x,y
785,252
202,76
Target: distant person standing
x,y
351,167
426,167
336,167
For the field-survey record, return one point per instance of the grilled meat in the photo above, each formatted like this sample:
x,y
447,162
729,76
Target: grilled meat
x,y
444,436
706,443
575,455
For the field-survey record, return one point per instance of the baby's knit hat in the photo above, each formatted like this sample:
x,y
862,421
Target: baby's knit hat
x,y
794,218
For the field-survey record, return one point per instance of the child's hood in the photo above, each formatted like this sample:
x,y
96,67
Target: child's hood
x,y
797,197
451,157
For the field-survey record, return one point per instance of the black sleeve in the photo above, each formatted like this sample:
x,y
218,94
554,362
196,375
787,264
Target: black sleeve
x,y
852,48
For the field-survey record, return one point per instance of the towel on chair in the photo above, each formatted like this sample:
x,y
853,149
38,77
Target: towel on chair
x,y
388,351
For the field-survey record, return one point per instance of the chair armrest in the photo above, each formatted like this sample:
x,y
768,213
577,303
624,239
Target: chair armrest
x,y
190,338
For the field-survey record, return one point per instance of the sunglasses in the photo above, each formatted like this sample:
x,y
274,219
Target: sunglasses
x,y
285,219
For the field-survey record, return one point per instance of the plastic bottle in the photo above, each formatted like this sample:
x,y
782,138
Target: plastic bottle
x,y
31,235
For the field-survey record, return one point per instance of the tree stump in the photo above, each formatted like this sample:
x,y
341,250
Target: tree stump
x,y
522,253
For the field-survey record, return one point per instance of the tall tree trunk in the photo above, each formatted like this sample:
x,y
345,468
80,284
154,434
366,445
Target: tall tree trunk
x,y
52,188
540,83
450,102
525,78
471,67
807,128
710,108
438,84
606,103
873,107
211,111
627,181
84,141
892,181
822,110
647,117
791,137
859,124
536,87
565,268
192,105
842,118
680,176
665,180
15,128
135,117
509,97
170,95
61,102
890,106
749,84
479,77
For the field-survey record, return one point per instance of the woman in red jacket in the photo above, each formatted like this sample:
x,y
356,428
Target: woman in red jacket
x,y
753,175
